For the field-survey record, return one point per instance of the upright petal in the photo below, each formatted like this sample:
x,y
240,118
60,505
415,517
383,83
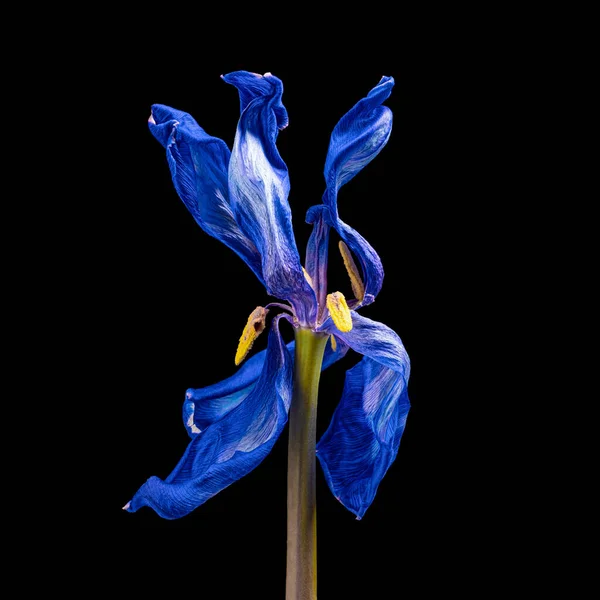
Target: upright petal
x,y
259,187
229,448
204,406
317,251
363,438
373,339
199,164
356,140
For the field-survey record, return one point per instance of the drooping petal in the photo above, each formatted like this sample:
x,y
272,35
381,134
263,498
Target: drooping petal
x,y
317,251
356,140
363,438
229,448
259,187
204,406
373,339
369,260
199,165
364,435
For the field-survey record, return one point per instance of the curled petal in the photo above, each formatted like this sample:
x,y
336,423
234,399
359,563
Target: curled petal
x,y
363,438
253,85
259,187
368,259
357,139
373,339
199,165
364,435
229,448
204,406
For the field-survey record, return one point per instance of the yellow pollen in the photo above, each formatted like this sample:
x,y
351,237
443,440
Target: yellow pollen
x,y
358,287
339,311
254,327
308,278
333,342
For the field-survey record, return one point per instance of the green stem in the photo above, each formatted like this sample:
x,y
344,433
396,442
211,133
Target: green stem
x,y
301,579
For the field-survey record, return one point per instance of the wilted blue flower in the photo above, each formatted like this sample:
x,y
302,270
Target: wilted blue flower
x,y
240,198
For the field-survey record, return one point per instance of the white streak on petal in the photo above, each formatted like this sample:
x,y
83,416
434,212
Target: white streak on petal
x,y
190,422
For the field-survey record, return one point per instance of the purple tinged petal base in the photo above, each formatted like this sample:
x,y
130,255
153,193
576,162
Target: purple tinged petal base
x,y
204,406
233,425
199,163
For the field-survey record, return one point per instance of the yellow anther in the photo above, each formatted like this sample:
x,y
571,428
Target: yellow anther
x,y
339,311
254,327
358,287
308,278
333,342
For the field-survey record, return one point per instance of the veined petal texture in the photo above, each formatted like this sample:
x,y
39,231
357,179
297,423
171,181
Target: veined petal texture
x,y
204,406
199,164
357,139
259,187
363,438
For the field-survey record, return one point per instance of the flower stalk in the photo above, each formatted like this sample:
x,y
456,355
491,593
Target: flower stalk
x,y
301,577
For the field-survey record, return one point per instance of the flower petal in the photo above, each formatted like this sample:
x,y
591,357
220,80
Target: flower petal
x,y
363,438
259,187
317,251
253,85
205,406
373,339
229,448
372,269
356,140
199,164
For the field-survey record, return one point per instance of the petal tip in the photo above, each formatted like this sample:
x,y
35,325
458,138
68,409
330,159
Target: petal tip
x,y
151,119
126,507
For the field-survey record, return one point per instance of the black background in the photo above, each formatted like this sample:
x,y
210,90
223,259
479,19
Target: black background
x,y
167,305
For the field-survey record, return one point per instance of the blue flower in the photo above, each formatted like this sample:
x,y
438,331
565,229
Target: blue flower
x,y
240,198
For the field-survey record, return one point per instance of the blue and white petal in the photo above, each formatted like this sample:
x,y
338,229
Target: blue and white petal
x,y
229,448
356,140
363,438
199,164
259,187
